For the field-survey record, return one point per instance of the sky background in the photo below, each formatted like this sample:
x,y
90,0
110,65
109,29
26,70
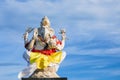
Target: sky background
x,y
92,26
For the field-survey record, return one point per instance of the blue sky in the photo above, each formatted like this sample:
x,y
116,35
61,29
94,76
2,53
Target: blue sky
x,y
93,48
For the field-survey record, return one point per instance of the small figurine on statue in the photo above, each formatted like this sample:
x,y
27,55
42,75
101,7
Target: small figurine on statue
x,y
43,52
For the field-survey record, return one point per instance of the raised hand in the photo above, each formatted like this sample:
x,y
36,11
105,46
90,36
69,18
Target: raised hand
x,y
25,36
63,33
35,34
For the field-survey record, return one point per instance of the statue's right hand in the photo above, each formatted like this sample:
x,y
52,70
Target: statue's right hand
x,y
25,35
35,34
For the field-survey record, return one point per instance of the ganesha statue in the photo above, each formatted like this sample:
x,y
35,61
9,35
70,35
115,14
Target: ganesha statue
x,y
44,51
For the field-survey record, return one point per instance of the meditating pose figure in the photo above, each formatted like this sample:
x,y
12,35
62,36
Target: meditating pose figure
x,y
43,52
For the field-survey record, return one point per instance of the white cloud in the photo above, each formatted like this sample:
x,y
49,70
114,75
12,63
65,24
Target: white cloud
x,y
10,36
75,50
32,7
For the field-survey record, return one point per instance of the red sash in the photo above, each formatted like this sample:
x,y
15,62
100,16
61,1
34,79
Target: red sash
x,y
45,52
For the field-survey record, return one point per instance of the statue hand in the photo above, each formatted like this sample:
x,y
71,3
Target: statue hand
x,y
35,34
63,36
25,36
63,33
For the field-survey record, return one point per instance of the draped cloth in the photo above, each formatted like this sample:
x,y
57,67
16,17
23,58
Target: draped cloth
x,y
38,60
42,60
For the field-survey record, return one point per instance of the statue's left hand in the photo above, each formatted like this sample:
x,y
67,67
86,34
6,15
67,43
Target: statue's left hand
x,y
63,36
63,33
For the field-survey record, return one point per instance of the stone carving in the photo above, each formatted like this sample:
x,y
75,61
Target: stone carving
x,y
43,51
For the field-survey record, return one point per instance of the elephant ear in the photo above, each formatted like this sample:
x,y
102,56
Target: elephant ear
x,y
52,32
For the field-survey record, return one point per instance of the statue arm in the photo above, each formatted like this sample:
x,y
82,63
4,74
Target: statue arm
x,y
31,43
60,44
25,35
